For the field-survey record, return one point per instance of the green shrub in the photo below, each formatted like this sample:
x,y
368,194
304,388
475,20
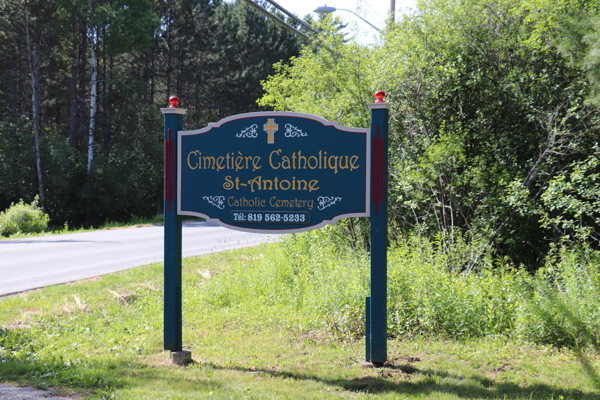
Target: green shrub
x,y
23,218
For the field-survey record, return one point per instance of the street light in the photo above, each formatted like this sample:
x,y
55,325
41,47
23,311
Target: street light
x,y
328,10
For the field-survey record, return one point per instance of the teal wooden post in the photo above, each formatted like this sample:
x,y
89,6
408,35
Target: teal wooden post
x,y
172,308
367,328
379,214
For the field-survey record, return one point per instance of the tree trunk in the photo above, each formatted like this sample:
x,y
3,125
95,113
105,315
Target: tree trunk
x,y
93,96
33,57
73,94
14,87
109,110
153,69
82,76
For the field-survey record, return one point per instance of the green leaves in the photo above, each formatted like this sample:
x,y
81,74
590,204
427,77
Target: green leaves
x,y
115,17
23,218
485,113
572,201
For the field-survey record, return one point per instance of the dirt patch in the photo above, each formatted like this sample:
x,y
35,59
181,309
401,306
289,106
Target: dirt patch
x,y
13,392
366,384
18,324
402,363
410,359
496,369
19,294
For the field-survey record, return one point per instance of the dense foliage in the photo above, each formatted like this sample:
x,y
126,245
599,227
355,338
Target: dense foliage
x,y
324,282
494,122
81,84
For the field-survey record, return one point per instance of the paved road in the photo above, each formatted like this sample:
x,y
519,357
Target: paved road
x,y
41,261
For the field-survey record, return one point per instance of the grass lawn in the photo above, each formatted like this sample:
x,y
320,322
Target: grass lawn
x,y
102,339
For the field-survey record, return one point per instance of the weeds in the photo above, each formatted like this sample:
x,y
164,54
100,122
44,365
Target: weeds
x,y
327,283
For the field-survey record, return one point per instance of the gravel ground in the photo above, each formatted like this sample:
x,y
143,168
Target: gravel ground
x,y
12,392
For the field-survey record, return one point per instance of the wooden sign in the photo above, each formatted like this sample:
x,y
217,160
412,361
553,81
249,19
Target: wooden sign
x,y
274,172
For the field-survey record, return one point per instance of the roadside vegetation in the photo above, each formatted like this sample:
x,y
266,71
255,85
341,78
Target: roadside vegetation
x,y
558,306
26,220
285,321
23,218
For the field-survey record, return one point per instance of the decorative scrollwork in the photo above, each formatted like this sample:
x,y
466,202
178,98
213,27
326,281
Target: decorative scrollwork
x,y
249,132
292,131
327,201
217,201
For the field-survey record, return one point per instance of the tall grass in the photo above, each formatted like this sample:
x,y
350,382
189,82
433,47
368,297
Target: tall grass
x,y
307,275
311,275
563,307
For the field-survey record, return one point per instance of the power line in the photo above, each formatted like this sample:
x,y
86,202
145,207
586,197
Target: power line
x,y
300,21
281,22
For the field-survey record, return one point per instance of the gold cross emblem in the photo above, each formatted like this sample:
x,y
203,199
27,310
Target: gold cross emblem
x,y
271,127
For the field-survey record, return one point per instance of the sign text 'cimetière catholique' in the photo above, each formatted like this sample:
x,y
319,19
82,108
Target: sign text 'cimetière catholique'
x,y
274,172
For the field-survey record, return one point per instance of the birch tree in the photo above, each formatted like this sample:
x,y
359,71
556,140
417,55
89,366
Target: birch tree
x,y
94,91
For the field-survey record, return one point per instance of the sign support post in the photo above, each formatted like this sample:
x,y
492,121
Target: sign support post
x,y
173,334
376,314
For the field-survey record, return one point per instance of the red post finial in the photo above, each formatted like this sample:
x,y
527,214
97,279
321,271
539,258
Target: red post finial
x,y
174,101
379,96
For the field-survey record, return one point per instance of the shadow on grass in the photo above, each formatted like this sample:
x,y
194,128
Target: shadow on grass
x,y
21,363
429,385
44,373
97,377
107,376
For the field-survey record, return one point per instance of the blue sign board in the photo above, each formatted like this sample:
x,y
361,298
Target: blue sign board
x,y
275,172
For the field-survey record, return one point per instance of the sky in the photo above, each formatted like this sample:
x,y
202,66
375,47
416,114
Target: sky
x,y
374,11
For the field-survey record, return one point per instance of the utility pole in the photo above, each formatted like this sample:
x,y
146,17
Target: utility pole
x,y
392,12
